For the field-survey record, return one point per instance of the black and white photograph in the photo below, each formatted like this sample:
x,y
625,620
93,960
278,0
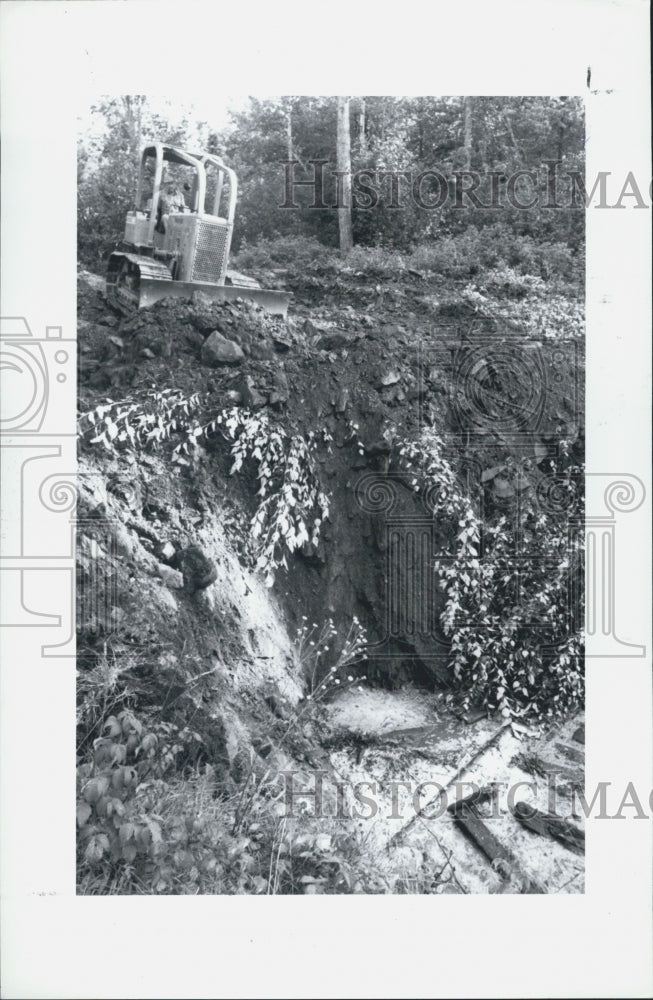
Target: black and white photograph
x,y
325,552
330,497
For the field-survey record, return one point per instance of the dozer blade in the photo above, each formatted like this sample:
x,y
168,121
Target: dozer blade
x,y
153,289
135,282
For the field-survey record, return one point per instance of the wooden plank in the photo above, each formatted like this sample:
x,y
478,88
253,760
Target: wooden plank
x,y
474,798
477,830
571,753
551,825
535,764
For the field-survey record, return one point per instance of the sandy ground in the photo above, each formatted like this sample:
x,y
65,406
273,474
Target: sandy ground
x,y
406,780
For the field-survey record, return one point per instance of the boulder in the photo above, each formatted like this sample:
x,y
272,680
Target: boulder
x,y
312,329
167,551
196,568
335,341
280,391
341,400
252,398
217,350
282,342
171,577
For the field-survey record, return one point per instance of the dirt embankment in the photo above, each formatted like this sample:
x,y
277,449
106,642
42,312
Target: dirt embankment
x,y
362,365
171,609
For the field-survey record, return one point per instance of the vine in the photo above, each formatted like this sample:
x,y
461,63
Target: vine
x,y
292,506
510,609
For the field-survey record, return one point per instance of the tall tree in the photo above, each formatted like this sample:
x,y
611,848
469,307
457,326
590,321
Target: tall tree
x,y
289,142
343,162
467,139
362,137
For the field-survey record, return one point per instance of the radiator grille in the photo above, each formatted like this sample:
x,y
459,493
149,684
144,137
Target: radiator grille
x,y
209,264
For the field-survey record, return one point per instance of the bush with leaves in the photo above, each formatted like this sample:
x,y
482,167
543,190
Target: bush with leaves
x,y
511,587
292,505
148,824
137,423
495,248
523,302
295,252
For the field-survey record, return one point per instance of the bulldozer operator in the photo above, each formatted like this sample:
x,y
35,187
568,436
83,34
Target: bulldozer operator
x,y
171,199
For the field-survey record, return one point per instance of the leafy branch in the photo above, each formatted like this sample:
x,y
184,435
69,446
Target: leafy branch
x,y
515,644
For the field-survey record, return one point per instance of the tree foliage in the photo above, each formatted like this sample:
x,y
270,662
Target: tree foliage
x,y
447,135
107,166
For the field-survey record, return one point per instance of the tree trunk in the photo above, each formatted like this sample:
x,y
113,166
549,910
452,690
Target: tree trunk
x,y
289,130
362,138
343,158
467,136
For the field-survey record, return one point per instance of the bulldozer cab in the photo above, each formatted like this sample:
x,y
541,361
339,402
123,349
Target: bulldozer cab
x,y
184,212
210,190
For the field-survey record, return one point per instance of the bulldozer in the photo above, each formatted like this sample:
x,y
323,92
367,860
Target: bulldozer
x,y
177,237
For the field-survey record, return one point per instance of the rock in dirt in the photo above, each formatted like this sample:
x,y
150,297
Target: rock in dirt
x,y
198,571
341,400
335,341
252,398
280,392
262,351
171,577
282,342
167,551
312,329
217,350
389,378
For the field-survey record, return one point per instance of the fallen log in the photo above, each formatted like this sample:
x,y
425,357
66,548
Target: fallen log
x,y
557,771
477,830
552,825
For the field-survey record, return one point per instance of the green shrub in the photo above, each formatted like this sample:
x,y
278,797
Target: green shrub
x,y
522,302
147,823
139,423
294,252
498,247
292,505
513,622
